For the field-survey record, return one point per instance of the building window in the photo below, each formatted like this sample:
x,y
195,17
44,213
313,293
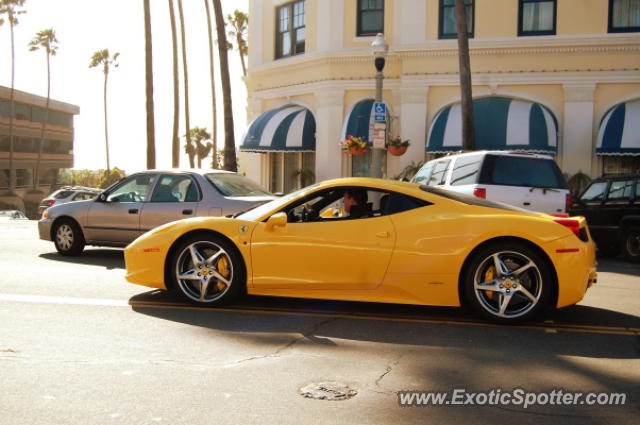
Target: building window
x,y
537,17
624,15
289,171
448,18
615,164
370,17
290,34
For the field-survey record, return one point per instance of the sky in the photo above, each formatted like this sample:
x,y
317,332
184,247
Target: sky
x,y
85,26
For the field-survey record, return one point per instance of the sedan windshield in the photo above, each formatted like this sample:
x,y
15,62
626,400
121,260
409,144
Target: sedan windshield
x,y
235,185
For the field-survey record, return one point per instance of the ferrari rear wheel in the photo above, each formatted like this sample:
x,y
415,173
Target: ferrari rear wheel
x,y
208,270
508,283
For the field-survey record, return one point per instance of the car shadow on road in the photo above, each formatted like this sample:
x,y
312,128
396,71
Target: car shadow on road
x,y
109,258
618,265
574,331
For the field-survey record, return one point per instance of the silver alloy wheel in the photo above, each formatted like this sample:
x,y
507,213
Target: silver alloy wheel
x,y
64,237
508,284
204,271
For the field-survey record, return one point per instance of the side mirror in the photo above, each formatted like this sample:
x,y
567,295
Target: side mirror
x,y
102,198
277,220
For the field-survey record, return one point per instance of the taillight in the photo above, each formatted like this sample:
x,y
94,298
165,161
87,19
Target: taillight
x,y
51,201
480,193
567,202
571,224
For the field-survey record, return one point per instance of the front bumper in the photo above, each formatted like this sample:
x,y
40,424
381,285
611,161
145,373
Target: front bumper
x,y
44,229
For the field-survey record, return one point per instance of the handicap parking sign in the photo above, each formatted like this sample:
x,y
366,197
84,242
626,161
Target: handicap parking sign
x,y
380,111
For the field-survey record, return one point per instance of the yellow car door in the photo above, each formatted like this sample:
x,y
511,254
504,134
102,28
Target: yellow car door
x,y
344,253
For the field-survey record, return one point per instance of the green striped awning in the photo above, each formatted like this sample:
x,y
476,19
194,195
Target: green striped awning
x,y
500,124
619,132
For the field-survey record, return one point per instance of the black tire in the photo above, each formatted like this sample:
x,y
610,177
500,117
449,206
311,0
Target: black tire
x,y
223,279
529,292
631,243
68,237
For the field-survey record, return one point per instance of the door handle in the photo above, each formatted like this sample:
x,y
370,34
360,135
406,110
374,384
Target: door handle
x,y
187,212
526,203
383,234
133,211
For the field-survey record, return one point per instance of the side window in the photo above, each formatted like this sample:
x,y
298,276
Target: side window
x,y
620,190
439,173
397,203
465,170
422,176
133,189
595,192
175,188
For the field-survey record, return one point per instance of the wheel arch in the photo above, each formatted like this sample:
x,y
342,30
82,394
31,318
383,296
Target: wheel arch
x,y
189,234
554,293
52,231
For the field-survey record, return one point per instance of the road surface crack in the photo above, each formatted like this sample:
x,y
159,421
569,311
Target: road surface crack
x,y
388,370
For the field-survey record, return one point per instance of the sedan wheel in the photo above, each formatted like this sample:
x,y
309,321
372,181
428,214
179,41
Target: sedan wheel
x,y
508,284
68,238
208,271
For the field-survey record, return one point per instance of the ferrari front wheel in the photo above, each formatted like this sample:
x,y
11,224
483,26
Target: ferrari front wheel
x,y
508,283
208,270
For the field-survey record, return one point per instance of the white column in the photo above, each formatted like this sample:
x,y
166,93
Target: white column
x,y
329,116
329,21
251,163
413,125
576,143
255,32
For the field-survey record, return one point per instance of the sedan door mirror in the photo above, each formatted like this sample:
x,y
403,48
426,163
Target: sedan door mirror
x,y
102,197
277,220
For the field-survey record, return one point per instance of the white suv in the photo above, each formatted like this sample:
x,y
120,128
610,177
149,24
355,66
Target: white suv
x,y
525,180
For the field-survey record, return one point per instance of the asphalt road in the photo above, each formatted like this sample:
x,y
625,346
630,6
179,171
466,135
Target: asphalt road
x,y
79,345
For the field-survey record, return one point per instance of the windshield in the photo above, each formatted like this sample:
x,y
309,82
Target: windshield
x,y
235,185
276,204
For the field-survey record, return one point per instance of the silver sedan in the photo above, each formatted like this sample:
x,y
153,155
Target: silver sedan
x,y
146,200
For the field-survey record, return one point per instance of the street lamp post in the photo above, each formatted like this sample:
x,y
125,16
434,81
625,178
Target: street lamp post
x,y
380,48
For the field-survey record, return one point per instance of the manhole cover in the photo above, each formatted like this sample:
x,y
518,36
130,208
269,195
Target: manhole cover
x,y
333,391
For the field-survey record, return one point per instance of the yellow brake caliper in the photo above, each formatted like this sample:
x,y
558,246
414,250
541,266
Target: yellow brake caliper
x,y
223,269
488,276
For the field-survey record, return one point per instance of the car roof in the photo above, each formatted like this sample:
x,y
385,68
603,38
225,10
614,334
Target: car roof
x,y
200,171
497,153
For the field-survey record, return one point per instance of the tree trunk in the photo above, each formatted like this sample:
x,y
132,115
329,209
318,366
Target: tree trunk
x,y
106,131
186,86
214,162
12,171
175,140
468,134
239,40
229,139
36,177
151,136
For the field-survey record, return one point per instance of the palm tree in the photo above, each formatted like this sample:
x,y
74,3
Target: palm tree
x,y
201,150
102,57
11,9
214,162
47,40
468,134
190,150
239,22
175,141
230,163
151,135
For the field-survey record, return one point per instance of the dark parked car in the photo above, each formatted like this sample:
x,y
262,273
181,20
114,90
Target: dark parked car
x,y
612,208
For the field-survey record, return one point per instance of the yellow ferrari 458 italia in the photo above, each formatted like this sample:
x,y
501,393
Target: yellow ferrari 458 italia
x,y
375,240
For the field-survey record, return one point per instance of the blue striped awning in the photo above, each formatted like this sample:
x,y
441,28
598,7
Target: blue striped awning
x,y
360,121
287,129
619,132
500,124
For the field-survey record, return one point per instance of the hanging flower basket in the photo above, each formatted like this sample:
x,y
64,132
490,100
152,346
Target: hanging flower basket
x,y
354,150
353,145
398,146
